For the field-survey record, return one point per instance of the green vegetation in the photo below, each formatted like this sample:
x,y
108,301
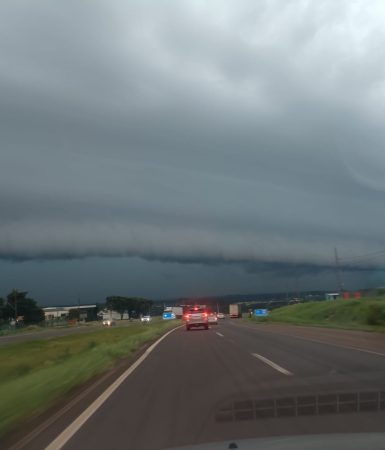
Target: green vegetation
x,y
134,306
18,305
35,374
363,314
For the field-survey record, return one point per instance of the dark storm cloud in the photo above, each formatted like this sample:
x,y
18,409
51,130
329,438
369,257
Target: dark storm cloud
x,y
244,132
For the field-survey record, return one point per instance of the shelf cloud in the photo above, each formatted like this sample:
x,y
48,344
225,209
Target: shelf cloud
x,y
193,132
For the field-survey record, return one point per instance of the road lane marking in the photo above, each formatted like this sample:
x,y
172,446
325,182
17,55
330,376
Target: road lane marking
x,y
347,347
272,364
317,341
75,426
219,334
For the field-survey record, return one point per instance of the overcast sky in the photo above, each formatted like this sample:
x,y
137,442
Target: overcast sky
x,y
183,148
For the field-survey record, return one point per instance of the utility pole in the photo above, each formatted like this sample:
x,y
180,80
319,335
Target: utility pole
x,y
338,271
15,307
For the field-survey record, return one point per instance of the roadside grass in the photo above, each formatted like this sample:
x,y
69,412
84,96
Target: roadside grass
x,y
36,374
366,314
6,330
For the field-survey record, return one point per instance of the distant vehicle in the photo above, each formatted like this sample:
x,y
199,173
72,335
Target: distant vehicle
x,y
212,319
109,323
145,319
220,316
235,311
178,311
196,317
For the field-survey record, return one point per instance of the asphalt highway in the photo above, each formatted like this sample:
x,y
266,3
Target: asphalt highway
x,y
236,381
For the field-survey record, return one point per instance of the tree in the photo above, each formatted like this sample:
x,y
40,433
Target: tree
x,y
2,310
18,304
119,304
144,306
134,306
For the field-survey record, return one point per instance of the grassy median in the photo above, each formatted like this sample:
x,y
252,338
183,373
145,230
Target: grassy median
x,y
364,314
35,374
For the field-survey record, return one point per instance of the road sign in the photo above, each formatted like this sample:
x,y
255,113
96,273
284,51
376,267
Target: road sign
x,y
168,315
261,312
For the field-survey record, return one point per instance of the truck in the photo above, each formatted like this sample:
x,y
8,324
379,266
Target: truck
x,y
235,311
178,311
173,312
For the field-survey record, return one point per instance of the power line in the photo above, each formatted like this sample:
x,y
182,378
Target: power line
x,y
372,254
363,261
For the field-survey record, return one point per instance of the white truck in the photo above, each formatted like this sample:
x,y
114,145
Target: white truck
x,y
178,311
235,311
173,312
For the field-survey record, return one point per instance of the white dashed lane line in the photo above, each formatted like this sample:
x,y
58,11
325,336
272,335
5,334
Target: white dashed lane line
x,y
219,334
272,364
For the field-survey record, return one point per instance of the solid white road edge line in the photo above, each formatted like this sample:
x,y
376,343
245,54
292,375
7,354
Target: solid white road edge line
x,y
219,334
75,426
272,364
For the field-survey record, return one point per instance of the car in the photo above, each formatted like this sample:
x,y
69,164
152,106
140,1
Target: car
x,y
196,317
145,319
212,319
109,323
220,316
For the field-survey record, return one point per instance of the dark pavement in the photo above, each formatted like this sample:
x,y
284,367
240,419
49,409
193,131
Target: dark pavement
x,y
236,381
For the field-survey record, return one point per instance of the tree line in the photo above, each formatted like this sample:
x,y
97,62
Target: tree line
x,y
133,306
18,307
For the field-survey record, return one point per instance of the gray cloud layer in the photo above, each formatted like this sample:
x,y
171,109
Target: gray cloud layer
x,y
247,132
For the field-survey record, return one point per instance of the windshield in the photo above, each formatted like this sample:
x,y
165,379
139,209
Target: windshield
x,y
192,216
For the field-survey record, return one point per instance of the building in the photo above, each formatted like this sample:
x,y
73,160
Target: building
x,y
86,312
106,314
332,296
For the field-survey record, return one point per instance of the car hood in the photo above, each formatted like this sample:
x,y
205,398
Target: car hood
x,y
350,441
